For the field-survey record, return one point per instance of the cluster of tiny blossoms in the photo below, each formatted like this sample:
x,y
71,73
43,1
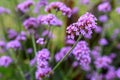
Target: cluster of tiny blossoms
x,y
82,53
59,6
104,7
85,24
43,68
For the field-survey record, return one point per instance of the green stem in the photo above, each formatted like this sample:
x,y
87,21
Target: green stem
x,y
16,63
34,44
67,54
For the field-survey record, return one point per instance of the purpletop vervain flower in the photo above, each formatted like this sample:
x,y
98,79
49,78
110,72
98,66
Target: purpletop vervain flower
x,y
12,34
98,29
102,62
5,61
21,36
24,6
82,53
103,18
47,33
14,44
59,6
49,20
117,10
40,41
62,53
95,52
43,68
85,24
103,42
29,50
104,7
4,10
85,1
118,73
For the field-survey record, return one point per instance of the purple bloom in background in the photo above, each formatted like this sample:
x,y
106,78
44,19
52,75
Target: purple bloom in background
x,y
118,73
12,34
70,41
29,50
75,10
98,29
24,6
43,68
49,19
82,53
118,10
85,24
96,52
21,36
96,76
40,41
48,33
85,1
4,10
2,46
39,4
115,33
103,18
112,55
14,44
5,61
102,62
104,7
59,6
62,53
32,62
103,42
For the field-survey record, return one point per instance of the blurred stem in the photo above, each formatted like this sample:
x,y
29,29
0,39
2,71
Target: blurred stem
x,y
67,54
16,63
34,44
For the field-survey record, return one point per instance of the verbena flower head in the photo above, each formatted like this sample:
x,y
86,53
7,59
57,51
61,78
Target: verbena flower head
x,y
12,34
48,33
95,52
43,68
50,20
29,50
103,18
104,7
82,53
40,41
118,73
85,24
24,6
98,29
117,10
5,61
59,6
85,1
102,62
4,10
61,53
39,4
14,44
103,42
21,36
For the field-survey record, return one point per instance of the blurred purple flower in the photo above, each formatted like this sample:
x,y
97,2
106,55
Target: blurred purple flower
x,y
40,41
29,50
98,29
62,53
75,10
39,4
103,18
103,42
95,52
5,61
82,53
24,6
59,6
85,1
70,41
104,7
14,44
32,62
48,33
118,10
21,36
12,34
85,24
102,62
43,68
4,10
50,20
118,73
115,34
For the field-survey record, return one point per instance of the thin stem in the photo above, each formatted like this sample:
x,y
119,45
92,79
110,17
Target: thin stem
x,y
66,55
16,63
34,44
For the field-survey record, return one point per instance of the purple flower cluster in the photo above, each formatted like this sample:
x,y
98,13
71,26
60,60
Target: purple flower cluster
x,y
104,7
61,53
102,62
85,24
43,68
85,1
82,53
21,36
103,42
59,6
49,19
47,33
40,41
2,46
103,18
24,6
96,52
4,10
5,61
13,44
12,34
118,10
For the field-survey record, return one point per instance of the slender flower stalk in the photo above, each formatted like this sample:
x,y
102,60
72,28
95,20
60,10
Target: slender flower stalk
x,y
67,53
34,44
